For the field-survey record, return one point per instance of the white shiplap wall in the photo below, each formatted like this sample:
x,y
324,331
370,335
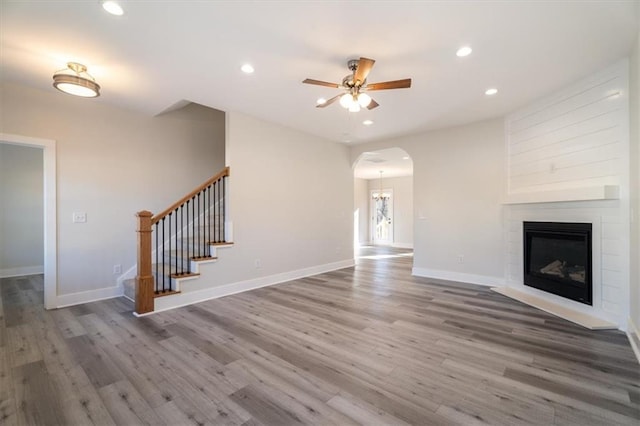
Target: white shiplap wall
x,y
574,139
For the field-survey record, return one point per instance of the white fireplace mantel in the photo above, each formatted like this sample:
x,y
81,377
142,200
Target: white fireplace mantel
x,y
587,193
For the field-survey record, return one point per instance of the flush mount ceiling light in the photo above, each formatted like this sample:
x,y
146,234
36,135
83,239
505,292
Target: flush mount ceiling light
x,y
464,51
75,80
247,68
367,122
491,92
113,8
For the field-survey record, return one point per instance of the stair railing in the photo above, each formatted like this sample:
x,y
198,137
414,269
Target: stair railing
x,y
181,233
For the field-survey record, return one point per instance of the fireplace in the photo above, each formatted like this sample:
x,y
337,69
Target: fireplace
x,y
557,259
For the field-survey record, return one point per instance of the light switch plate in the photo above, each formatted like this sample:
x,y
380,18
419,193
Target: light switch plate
x,y
79,217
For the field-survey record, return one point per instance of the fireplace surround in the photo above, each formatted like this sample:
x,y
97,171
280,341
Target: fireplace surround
x,y
558,259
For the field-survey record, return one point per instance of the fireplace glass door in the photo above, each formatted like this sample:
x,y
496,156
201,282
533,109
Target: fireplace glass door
x,y
557,259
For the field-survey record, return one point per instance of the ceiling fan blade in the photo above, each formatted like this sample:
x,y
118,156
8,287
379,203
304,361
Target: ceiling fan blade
x,y
396,84
320,83
364,67
373,104
330,101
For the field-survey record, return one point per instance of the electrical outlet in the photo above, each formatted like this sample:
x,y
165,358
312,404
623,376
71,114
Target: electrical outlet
x,y
79,217
461,258
117,269
258,264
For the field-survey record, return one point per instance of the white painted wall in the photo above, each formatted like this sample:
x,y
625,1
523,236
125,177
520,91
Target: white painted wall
x,y
111,163
291,204
402,208
21,210
458,180
361,209
634,122
576,137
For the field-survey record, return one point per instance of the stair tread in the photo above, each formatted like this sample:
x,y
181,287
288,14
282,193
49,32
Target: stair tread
x,y
165,293
201,258
186,275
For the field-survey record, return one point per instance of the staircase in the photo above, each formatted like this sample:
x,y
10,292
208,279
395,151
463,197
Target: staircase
x,y
171,261
172,245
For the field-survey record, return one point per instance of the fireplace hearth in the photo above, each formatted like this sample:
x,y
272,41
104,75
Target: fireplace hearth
x,y
557,259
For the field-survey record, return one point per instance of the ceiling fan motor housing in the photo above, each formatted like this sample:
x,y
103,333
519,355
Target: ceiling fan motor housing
x,y
352,65
347,82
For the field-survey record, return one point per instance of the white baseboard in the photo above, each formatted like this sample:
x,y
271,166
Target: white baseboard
x,y
19,272
459,276
634,338
88,296
402,245
188,298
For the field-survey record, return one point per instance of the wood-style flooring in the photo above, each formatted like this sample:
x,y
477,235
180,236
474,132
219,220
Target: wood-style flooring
x,y
367,345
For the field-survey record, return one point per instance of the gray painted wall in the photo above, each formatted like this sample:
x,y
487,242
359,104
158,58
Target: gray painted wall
x,y
21,210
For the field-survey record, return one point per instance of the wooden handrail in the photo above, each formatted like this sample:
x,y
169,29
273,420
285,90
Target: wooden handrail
x,y
159,216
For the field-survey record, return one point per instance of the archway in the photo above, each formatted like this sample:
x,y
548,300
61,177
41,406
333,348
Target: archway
x,y
383,200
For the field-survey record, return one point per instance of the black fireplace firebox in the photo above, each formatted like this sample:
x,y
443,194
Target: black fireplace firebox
x,y
557,259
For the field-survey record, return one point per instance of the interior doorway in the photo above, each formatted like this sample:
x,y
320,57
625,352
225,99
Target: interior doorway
x,y
48,148
382,216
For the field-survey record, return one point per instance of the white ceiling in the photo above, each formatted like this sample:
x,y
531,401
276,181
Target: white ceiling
x,y
392,162
165,52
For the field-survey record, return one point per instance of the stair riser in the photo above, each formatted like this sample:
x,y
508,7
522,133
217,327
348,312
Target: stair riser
x,y
182,261
199,239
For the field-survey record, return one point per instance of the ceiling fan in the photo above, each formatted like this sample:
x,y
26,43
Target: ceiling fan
x,y
355,85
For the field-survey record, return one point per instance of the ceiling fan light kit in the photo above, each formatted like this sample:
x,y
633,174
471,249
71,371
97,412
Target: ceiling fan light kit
x,y
355,85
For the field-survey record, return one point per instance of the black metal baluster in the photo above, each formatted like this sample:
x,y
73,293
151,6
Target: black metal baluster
x,y
215,210
209,214
199,213
188,258
193,226
222,206
155,283
163,254
170,253
181,241
177,249
205,212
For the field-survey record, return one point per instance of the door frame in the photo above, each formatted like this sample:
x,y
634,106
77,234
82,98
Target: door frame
x,y
48,147
372,224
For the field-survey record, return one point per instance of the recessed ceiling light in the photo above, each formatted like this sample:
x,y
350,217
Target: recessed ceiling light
x,y
491,91
321,101
405,158
247,68
367,122
113,8
464,51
